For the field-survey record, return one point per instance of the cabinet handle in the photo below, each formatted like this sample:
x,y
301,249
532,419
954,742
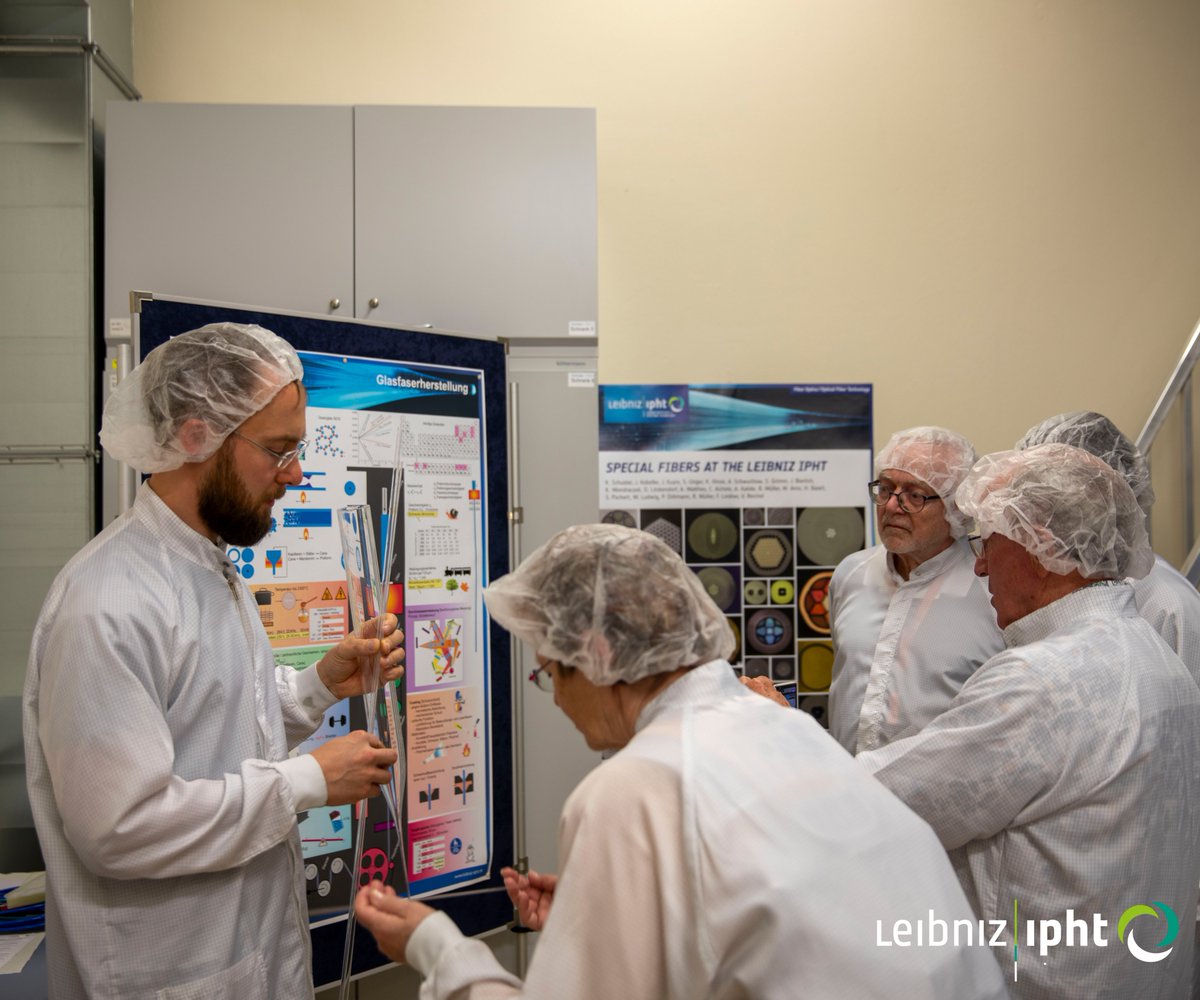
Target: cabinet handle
x,y
373,303
334,303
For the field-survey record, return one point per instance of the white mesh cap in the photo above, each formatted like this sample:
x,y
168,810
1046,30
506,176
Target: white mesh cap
x,y
220,374
614,602
1065,506
1094,432
936,456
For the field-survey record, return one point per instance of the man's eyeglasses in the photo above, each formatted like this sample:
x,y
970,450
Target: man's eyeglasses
x,y
282,458
910,501
976,543
540,676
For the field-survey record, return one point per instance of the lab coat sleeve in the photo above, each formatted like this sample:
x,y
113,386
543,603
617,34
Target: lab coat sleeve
x,y
617,901
832,596
106,683
972,771
839,728
1169,602
456,967
303,699
852,634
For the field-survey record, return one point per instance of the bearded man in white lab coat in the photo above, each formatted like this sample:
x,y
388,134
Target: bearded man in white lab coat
x,y
157,724
1064,779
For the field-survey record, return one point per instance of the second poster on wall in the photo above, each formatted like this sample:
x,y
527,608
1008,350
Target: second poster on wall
x,y
762,490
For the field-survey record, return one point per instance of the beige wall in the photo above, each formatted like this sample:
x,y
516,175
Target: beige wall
x,y
988,208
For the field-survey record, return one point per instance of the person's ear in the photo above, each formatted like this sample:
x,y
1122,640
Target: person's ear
x,y
194,436
1039,570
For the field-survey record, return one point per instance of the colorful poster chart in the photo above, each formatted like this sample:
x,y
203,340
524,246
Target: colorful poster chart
x,y
362,413
762,489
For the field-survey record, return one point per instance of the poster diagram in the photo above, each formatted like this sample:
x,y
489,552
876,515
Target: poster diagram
x,y
438,651
762,490
360,411
445,732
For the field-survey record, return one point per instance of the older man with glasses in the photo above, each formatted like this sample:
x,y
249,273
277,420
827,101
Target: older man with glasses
x,y
1064,780
910,621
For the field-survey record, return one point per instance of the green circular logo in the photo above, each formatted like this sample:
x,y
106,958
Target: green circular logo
x,y
1160,911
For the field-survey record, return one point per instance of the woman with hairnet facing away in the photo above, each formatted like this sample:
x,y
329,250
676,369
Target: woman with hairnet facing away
x,y
731,849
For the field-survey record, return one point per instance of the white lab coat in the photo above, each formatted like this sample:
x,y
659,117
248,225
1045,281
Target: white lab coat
x,y
1169,602
903,648
731,849
153,715
1066,774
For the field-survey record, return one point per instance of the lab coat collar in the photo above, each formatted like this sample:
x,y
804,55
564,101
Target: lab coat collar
x,y
936,566
170,529
710,682
1103,599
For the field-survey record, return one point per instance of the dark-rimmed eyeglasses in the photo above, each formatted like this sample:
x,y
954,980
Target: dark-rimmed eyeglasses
x,y
282,458
540,677
976,543
910,501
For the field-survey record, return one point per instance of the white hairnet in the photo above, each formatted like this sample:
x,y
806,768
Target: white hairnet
x,y
614,602
1095,433
220,374
936,456
1065,506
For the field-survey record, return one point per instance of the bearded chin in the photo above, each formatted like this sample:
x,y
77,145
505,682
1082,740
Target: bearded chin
x,y
227,507
241,527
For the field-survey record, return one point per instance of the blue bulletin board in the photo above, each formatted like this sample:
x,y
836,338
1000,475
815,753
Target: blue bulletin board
x,y
450,392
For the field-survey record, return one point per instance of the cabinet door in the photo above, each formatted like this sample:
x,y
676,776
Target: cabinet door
x,y
235,203
557,441
476,220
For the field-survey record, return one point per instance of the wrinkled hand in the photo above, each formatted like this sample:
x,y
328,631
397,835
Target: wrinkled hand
x,y
531,894
763,686
390,918
355,765
347,669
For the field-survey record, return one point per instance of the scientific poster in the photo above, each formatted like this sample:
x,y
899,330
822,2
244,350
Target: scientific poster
x,y
360,411
762,489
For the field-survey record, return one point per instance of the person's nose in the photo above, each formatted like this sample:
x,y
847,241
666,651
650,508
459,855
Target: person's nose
x,y
292,473
981,565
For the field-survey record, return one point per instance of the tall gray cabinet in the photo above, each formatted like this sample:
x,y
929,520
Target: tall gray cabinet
x,y
60,65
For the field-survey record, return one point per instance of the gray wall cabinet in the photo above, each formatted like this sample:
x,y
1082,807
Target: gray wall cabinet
x,y
467,220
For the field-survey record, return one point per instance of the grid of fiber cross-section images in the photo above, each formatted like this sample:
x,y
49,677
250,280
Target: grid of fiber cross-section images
x,y
768,569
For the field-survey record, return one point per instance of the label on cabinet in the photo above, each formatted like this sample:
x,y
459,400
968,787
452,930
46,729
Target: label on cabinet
x,y
581,328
